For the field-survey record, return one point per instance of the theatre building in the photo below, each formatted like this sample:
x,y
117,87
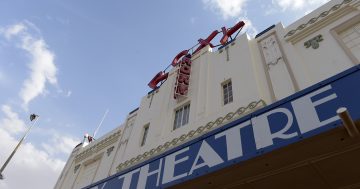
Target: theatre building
x,y
279,110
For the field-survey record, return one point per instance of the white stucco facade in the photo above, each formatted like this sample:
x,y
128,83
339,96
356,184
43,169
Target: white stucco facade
x,y
277,63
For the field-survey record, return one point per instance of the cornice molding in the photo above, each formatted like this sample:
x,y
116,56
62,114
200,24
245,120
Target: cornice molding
x,y
98,147
319,21
192,134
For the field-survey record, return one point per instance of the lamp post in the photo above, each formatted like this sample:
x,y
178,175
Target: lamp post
x,y
33,119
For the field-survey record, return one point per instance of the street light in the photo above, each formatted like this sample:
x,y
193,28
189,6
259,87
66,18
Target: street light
x,y
33,117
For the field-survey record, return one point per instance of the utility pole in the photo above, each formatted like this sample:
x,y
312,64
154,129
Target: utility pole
x,y
33,119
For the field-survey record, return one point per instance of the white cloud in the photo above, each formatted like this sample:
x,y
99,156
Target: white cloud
x,y
11,122
249,28
29,163
43,69
64,93
68,94
298,4
42,66
232,9
13,30
30,167
60,144
226,8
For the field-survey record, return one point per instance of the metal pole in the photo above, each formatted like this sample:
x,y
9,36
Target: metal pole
x,y
348,122
16,148
97,129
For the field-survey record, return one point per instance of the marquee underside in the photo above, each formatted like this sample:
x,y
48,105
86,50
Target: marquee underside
x,y
327,160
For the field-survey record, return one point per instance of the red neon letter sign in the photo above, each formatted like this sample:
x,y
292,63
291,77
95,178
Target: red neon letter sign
x,y
204,43
177,57
157,79
183,78
225,36
228,33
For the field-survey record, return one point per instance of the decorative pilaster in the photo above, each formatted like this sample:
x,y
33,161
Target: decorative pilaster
x,y
280,78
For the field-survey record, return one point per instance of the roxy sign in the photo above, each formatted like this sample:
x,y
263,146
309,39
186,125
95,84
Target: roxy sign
x,y
226,34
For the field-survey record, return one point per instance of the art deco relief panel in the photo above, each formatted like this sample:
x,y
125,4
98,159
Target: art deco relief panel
x,y
280,77
271,51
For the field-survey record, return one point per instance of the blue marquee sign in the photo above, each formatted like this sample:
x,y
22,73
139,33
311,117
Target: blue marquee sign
x,y
302,115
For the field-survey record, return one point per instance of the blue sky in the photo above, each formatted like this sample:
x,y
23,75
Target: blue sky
x,y
70,61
